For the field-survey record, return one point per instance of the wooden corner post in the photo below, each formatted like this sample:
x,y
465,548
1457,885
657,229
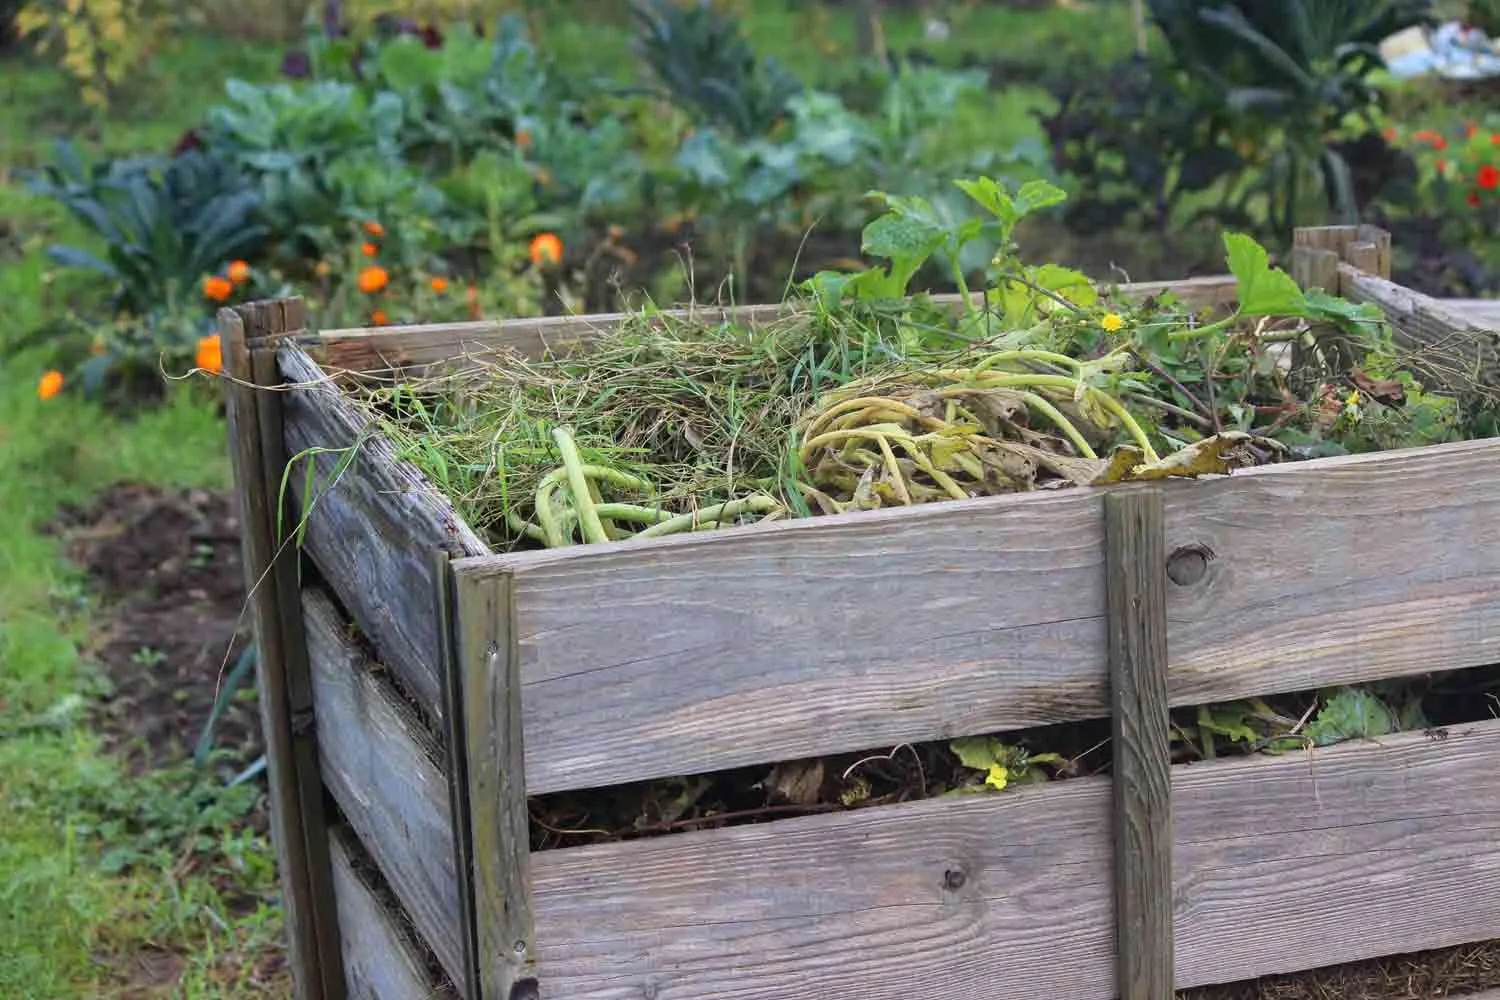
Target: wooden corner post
x,y
1135,588
250,334
488,671
455,745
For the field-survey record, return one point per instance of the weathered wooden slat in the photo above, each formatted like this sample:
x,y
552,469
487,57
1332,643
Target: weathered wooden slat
x,y
384,771
1481,312
298,828
1282,864
1136,599
381,962
1469,350
644,659
484,650
456,756
373,526
378,349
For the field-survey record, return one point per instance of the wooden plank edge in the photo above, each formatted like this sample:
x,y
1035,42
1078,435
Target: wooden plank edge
x,y
295,791
485,651
385,772
382,960
456,745
370,526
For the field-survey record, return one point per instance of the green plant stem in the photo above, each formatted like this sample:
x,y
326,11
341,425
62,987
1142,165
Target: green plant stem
x,y
1109,402
1063,423
719,513
1001,357
578,486
632,512
1198,332
963,285
514,522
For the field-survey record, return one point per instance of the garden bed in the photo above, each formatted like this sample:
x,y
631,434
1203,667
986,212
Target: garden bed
x,y
536,674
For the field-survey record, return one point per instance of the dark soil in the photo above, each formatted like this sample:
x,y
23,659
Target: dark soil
x,y
166,569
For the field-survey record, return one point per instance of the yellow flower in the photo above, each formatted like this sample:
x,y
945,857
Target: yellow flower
x,y
998,777
1112,322
1353,399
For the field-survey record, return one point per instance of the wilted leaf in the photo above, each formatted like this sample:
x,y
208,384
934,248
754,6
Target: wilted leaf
x,y
1383,390
799,782
1213,456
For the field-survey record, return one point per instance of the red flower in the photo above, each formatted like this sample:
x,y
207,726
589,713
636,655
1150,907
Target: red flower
x,y
1432,138
1390,134
1473,199
1488,177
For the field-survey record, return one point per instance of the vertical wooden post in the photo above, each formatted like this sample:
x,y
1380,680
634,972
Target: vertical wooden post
x,y
1317,252
299,830
1135,588
489,667
456,746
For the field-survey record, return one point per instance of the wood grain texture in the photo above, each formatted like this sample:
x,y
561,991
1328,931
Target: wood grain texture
x,y
484,648
644,659
384,771
297,825
456,754
1136,600
387,348
372,528
1481,312
381,962
1281,864
1430,325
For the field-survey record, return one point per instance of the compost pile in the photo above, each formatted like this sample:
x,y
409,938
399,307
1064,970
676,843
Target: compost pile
x,y
862,395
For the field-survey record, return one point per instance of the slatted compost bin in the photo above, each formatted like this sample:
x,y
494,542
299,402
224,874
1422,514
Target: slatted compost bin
x,y
417,687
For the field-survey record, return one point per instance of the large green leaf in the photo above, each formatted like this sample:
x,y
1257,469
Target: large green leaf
x,y
1263,290
1353,713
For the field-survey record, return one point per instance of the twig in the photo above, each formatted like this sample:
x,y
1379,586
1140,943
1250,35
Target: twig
x,y
1161,372
1172,408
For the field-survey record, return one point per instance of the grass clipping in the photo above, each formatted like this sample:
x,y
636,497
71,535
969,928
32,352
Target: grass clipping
x,y
667,426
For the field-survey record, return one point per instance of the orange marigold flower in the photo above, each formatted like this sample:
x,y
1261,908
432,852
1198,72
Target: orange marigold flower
x,y
1488,177
50,385
322,268
1471,130
369,249
372,279
439,285
1442,166
375,229
378,318
217,288
210,354
546,248
1495,138
523,139
1389,133
239,272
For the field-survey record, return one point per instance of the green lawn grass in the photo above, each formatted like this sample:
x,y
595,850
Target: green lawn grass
x,y
90,899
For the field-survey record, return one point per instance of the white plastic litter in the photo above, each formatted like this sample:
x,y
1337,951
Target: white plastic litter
x,y
1452,51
